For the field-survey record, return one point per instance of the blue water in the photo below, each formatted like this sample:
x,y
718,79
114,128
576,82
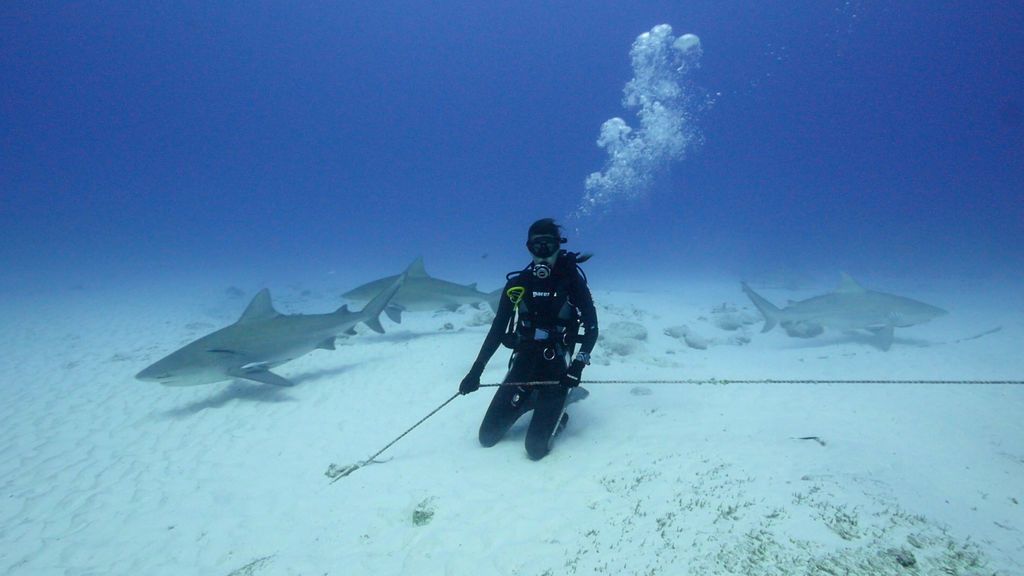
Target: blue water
x,y
257,141
162,162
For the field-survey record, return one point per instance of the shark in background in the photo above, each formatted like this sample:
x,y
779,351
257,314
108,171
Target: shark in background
x,y
422,292
262,339
849,307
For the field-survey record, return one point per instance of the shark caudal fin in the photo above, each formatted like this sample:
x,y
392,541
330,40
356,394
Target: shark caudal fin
x,y
370,314
767,309
494,298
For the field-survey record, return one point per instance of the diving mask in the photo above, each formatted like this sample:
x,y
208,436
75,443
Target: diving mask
x,y
543,246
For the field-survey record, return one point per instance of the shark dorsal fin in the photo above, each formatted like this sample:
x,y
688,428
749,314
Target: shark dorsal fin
x,y
848,285
471,286
260,308
417,268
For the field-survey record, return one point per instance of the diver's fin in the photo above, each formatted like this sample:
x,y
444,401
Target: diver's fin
x,y
576,394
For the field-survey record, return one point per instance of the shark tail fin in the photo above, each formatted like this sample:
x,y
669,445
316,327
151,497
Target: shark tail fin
x,y
767,309
493,299
372,311
374,324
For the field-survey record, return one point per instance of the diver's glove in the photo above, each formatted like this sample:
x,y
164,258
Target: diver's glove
x,y
571,379
471,383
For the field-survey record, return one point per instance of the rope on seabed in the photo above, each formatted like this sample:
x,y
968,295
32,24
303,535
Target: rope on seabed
x,y
699,382
335,472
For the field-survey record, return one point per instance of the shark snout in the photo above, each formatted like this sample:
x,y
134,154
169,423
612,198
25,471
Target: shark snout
x,y
914,317
932,312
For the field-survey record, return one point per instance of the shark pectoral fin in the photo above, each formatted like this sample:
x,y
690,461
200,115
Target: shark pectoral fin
x,y
394,312
885,336
351,331
327,344
262,376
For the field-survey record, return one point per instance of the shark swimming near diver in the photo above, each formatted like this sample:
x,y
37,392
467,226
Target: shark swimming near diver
x,y
263,338
849,307
422,292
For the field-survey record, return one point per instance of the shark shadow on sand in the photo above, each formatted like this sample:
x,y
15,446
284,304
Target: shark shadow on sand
x,y
237,390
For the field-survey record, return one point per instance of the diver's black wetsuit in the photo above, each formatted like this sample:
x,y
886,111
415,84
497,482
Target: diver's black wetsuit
x,y
548,313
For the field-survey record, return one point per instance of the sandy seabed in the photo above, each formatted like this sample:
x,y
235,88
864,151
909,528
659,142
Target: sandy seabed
x,y
103,474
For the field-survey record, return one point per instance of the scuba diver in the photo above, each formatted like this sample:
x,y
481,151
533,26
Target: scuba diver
x,y
541,311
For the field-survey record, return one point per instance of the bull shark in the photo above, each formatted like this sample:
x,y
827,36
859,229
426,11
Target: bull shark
x,y
850,307
262,339
422,292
